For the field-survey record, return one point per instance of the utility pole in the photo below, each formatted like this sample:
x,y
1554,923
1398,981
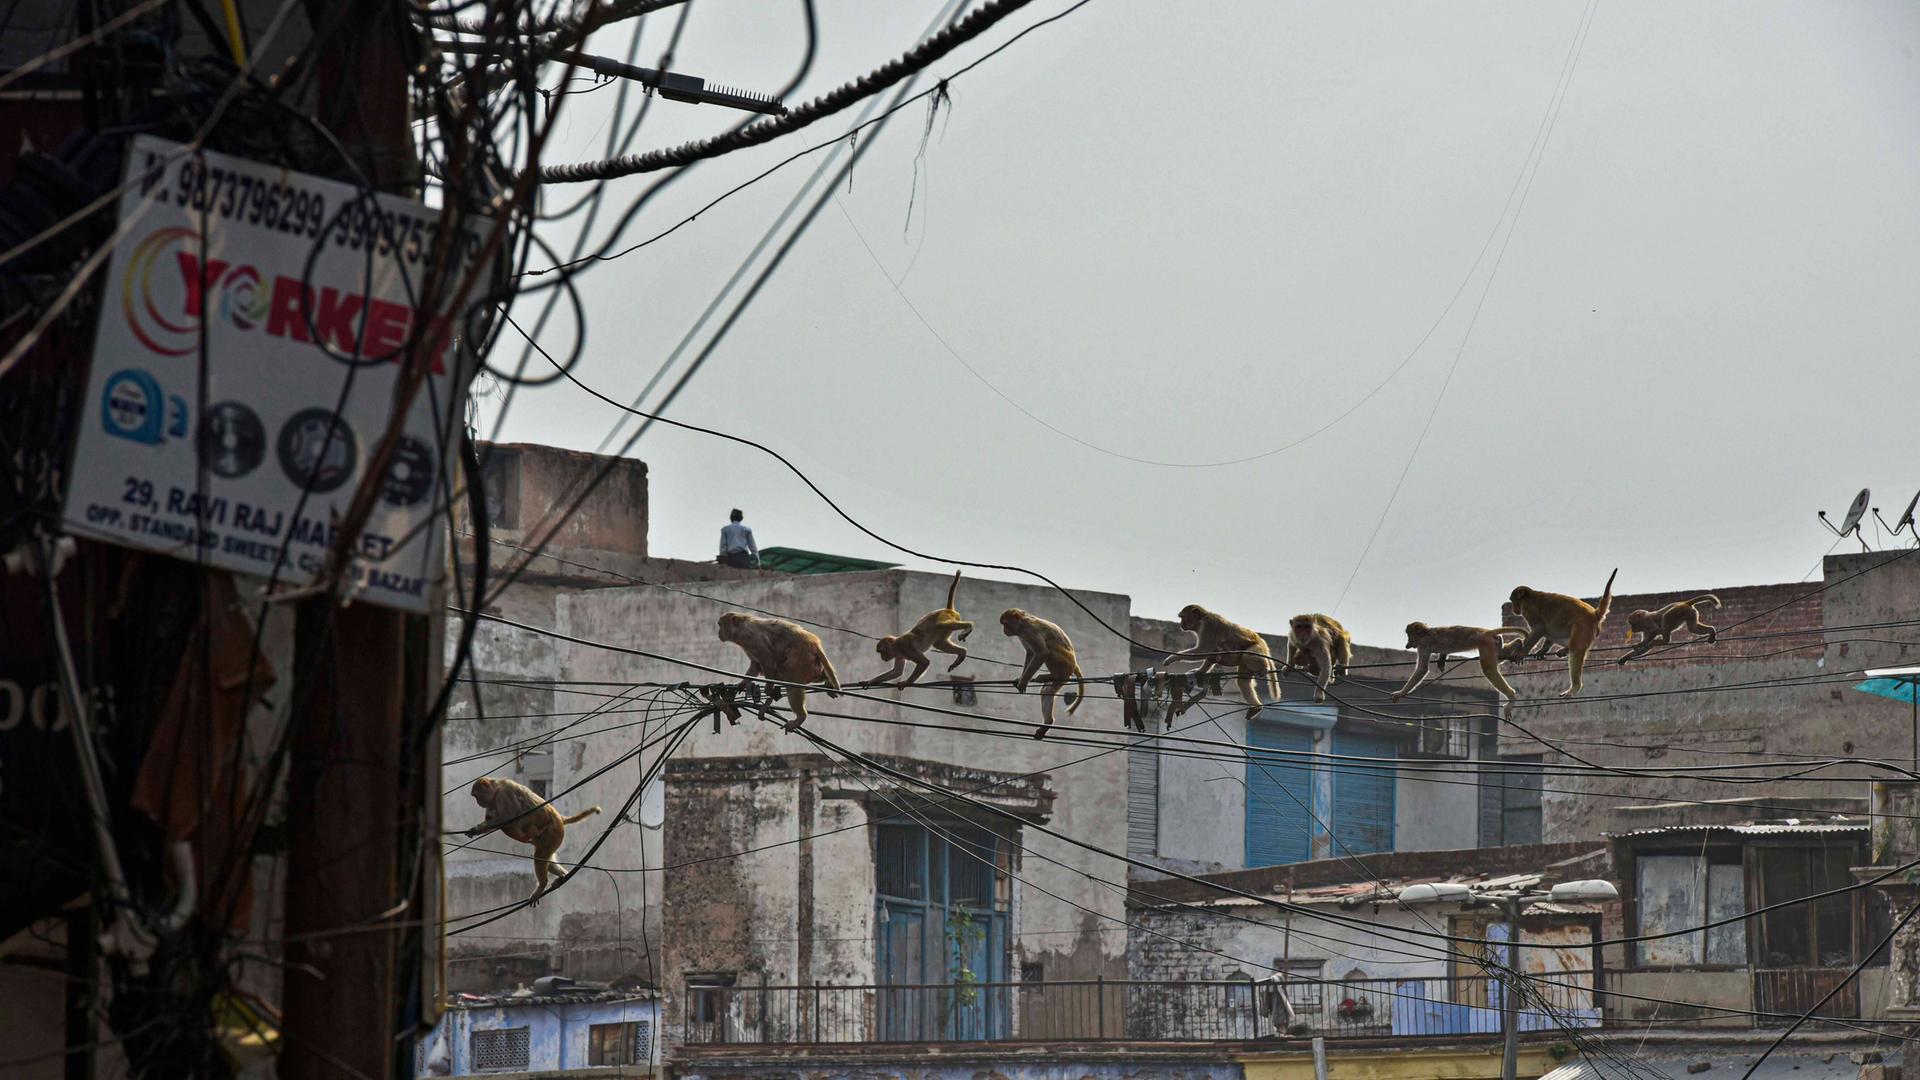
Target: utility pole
x,y
359,863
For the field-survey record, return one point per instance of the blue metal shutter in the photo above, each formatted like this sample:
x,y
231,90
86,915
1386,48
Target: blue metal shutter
x,y
1278,792
1362,795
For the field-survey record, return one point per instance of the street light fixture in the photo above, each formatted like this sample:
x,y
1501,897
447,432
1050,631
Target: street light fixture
x,y
1439,892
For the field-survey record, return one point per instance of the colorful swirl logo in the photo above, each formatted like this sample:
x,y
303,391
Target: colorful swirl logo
x,y
147,301
243,300
160,292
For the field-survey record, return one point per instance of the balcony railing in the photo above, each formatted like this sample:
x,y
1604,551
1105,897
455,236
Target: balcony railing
x,y
1101,1009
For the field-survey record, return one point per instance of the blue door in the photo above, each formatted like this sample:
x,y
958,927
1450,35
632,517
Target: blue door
x,y
1279,791
1362,794
942,905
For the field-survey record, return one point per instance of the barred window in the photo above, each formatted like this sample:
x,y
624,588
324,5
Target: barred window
x,y
620,1044
499,1050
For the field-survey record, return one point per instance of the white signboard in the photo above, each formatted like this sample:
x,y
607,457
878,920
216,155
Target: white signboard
x,y
251,335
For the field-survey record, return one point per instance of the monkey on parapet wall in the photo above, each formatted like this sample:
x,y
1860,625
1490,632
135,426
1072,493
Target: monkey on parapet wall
x,y
937,630
522,815
1657,627
1046,644
1221,642
1320,646
1563,620
785,652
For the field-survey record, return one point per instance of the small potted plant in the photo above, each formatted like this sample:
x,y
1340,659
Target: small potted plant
x,y
1354,1010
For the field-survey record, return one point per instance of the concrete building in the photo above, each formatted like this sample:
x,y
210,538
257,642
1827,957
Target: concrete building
x,y
1777,687
550,1029
1367,966
1778,964
1437,784
851,878
790,868
1663,755
499,723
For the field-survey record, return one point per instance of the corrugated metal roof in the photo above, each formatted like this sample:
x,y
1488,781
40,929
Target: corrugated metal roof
x,y
1672,1063
1382,892
797,561
1757,828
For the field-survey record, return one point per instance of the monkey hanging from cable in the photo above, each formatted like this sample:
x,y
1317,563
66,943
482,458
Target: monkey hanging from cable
x,y
1046,644
785,652
937,630
523,815
1563,620
1657,627
1220,642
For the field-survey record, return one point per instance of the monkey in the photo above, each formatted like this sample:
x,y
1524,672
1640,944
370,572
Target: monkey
x,y
1564,620
937,630
1319,644
785,652
1517,649
516,810
1657,627
1436,643
1216,641
1046,644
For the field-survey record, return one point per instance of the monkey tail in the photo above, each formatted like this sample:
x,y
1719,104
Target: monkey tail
x,y
953,589
587,813
1705,598
1079,691
1606,596
832,677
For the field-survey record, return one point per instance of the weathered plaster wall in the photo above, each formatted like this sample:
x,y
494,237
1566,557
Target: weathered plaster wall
x,y
1696,705
613,516
998,1063
1202,803
557,1034
1067,941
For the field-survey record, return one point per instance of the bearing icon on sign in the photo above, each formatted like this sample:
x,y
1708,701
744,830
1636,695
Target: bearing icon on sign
x,y
232,440
409,473
318,450
135,407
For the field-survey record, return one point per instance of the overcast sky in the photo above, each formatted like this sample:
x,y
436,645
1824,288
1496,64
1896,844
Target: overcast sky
x,y
1198,232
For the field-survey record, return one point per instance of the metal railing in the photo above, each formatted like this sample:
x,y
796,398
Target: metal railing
x,y
1106,1009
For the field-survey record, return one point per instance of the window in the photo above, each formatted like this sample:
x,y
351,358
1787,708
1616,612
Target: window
x,y
500,479
706,995
1509,799
1445,737
500,1050
535,769
1300,981
963,690
630,1043
1821,933
1033,973
1674,892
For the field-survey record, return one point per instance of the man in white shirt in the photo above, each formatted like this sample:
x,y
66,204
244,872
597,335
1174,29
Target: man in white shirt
x,y
736,544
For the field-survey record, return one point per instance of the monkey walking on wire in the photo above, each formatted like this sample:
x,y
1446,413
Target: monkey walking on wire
x,y
520,813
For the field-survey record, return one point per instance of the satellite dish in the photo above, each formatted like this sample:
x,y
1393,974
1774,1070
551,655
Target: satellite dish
x,y
1851,525
1905,521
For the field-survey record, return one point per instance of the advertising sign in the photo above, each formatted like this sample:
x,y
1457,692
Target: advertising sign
x,y
251,335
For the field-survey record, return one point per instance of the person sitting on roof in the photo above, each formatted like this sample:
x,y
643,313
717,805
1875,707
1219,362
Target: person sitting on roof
x,y
737,548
